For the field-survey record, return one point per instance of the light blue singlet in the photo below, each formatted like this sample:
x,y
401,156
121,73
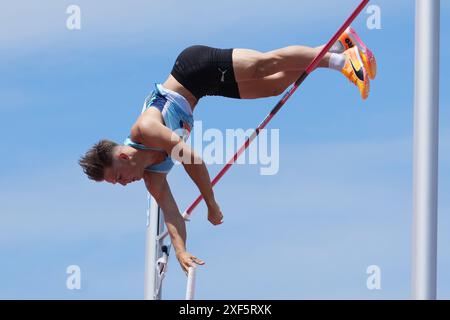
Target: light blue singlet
x,y
177,115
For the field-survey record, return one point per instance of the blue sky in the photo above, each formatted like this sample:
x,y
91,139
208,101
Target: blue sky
x,y
342,200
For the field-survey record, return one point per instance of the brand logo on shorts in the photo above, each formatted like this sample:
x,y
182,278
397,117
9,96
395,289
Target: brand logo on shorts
x,y
222,79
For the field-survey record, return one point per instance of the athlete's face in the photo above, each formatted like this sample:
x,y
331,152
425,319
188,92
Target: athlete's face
x,y
123,170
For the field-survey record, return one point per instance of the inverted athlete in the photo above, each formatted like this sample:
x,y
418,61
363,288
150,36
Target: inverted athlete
x,y
160,132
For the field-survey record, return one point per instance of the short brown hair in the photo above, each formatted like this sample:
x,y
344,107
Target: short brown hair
x,y
97,159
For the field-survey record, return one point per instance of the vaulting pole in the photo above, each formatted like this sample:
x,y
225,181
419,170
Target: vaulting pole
x,y
190,288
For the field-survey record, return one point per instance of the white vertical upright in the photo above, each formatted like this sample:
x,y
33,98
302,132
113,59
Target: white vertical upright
x,y
190,288
425,162
153,250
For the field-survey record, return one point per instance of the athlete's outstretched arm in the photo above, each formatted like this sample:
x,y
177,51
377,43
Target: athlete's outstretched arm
x,y
153,133
158,187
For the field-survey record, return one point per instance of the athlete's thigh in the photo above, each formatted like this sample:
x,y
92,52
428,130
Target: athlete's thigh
x,y
244,63
269,86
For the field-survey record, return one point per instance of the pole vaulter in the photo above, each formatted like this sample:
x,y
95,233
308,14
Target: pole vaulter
x,y
158,136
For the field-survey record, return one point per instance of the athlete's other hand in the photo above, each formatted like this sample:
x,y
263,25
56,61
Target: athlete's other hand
x,y
215,216
187,260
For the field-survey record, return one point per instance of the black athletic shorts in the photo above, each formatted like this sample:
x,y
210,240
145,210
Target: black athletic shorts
x,y
206,71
